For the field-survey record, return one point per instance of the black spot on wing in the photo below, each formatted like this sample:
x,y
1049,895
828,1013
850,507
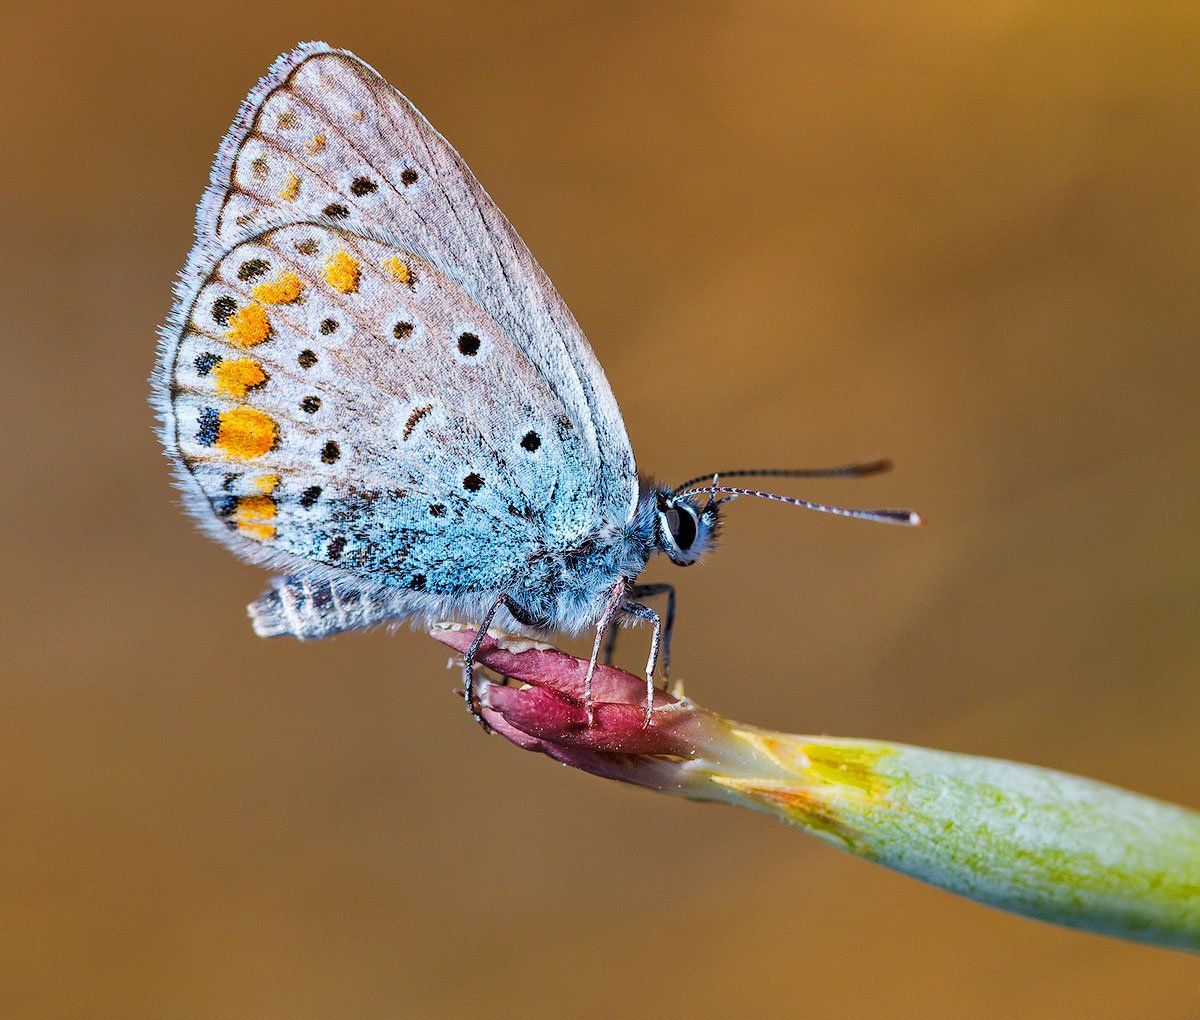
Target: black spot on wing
x,y
205,363
207,426
252,269
222,308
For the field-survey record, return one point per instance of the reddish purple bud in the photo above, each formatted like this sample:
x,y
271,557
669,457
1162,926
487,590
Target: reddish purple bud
x,y
550,710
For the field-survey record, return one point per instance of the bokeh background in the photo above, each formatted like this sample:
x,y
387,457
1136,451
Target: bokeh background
x,y
963,235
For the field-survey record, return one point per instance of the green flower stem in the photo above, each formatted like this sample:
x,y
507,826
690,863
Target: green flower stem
x,y
1037,842
1026,839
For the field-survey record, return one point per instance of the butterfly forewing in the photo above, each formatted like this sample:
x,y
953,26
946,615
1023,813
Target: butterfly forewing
x,y
324,135
367,369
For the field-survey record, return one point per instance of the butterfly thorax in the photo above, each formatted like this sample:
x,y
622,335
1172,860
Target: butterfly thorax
x,y
568,588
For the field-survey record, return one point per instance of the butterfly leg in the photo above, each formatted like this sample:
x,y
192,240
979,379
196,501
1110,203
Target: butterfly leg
x,y
470,695
611,609
642,591
644,612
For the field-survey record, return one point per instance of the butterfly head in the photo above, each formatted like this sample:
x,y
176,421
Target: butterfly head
x,y
684,521
686,527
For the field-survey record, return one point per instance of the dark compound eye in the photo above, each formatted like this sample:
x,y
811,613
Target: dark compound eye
x,y
682,524
531,441
468,344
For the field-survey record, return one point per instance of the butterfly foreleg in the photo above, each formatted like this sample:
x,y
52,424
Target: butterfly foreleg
x,y
644,612
642,591
619,604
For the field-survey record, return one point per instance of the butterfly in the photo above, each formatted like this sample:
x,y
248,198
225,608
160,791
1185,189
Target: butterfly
x,y
368,385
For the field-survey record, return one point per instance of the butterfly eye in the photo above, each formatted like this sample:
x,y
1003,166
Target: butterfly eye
x,y
681,522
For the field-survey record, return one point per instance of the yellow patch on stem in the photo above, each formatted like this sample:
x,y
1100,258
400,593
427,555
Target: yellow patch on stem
x,y
840,765
291,187
342,272
234,378
248,326
399,270
245,433
283,290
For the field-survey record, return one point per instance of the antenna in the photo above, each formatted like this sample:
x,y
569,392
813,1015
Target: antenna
x,y
906,517
870,467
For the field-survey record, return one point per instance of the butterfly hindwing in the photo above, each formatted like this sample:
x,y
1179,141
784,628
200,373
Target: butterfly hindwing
x,y
337,400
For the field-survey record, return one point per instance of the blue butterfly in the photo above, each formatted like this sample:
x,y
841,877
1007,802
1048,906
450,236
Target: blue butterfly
x,y
369,384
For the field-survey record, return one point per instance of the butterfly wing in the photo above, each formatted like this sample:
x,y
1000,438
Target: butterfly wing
x,y
324,135
453,417
337,400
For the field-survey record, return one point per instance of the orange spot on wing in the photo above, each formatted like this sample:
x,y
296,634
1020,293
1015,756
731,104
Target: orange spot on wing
x,y
316,144
283,290
342,272
234,378
256,508
245,433
248,326
291,187
399,270
252,514
267,483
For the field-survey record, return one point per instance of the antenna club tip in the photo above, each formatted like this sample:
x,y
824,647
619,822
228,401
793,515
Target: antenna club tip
x,y
874,467
915,519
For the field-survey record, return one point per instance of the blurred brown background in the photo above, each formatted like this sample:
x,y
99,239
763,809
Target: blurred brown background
x,y
962,235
